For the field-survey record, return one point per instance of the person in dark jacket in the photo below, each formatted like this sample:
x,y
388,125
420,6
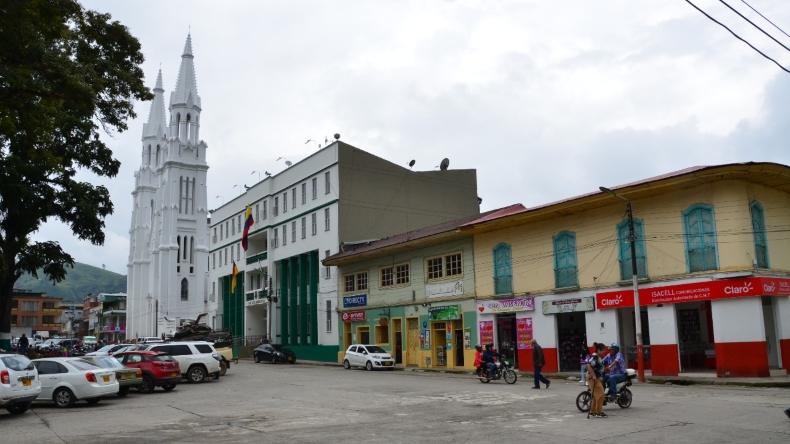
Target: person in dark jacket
x,y
23,344
538,361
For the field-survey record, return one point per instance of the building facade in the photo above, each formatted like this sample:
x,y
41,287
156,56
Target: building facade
x,y
35,313
337,195
168,251
713,269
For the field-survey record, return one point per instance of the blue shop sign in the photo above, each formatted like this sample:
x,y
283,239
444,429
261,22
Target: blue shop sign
x,y
358,300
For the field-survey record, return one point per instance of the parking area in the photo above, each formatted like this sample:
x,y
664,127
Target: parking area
x,y
326,404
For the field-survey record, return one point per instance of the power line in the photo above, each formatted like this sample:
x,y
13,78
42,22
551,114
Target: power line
x,y
752,23
737,36
764,17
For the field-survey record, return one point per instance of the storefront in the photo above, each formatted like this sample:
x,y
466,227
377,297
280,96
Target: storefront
x,y
507,323
571,328
736,326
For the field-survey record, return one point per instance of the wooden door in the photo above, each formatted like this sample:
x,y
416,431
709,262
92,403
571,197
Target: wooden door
x,y
413,341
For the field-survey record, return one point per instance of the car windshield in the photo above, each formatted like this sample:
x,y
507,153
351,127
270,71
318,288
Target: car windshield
x,y
107,362
17,363
278,347
106,348
164,358
375,349
81,364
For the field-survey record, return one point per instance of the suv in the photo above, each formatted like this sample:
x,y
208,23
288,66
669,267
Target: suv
x,y
19,383
197,359
150,340
159,369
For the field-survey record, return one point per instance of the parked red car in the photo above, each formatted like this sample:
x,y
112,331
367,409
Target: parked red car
x,y
159,369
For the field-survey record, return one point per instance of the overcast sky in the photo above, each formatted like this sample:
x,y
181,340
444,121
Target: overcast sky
x,y
546,99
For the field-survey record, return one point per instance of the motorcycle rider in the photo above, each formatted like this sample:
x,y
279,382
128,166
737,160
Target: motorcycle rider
x,y
617,370
478,357
488,359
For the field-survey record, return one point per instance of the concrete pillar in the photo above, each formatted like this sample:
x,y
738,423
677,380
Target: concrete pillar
x,y
544,330
303,339
284,339
782,318
739,331
664,353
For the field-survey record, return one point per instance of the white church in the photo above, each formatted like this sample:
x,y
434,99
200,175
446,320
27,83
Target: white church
x,y
168,253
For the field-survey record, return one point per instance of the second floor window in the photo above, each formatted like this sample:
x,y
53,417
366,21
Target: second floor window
x,y
275,239
328,183
624,250
293,231
326,219
304,193
444,266
315,223
760,238
503,270
700,230
355,281
29,305
315,188
285,235
276,204
304,227
565,271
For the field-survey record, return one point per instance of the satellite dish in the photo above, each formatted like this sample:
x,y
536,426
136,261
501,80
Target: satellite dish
x,y
411,164
337,136
445,163
288,163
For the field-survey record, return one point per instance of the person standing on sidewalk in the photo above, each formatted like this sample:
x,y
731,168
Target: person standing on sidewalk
x,y
538,361
596,369
23,344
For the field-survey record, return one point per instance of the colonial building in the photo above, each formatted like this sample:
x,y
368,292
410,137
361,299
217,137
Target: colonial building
x,y
340,194
168,249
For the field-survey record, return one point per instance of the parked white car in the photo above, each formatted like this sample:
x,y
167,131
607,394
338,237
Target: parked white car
x,y
19,383
197,359
368,356
68,380
108,350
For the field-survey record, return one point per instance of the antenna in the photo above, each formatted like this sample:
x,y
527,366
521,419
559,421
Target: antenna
x,y
411,164
259,175
445,163
288,163
267,173
337,136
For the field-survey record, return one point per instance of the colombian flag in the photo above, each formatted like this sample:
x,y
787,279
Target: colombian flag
x,y
233,281
248,221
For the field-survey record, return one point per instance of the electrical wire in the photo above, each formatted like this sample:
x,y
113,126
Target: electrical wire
x,y
765,18
752,23
737,36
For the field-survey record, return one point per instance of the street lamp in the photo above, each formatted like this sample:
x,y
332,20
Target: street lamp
x,y
640,355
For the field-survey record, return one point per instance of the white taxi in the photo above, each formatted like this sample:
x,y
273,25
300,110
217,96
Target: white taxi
x,y
19,383
68,380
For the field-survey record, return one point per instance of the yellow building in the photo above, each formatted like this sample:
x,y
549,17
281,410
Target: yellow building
x,y
713,259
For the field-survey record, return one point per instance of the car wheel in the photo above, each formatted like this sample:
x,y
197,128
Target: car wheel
x,y
223,368
93,400
256,358
123,391
63,398
272,360
346,365
168,387
369,366
147,386
18,409
196,374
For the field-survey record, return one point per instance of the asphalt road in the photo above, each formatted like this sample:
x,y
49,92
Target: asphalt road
x,y
318,404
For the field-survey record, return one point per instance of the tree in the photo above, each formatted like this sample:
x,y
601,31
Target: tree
x,y
66,73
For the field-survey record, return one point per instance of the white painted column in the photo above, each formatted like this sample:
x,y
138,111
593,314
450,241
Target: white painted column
x,y
664,351
602,327
782,320
739,333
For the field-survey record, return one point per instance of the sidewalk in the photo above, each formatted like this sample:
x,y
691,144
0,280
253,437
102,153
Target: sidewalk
x,y
778,378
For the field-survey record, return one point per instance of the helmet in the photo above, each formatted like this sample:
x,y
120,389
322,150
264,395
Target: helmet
x,y
615,347
478,347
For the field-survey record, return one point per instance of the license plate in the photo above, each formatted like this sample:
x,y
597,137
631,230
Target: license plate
x,y
106,378
386,364
26,383
174,374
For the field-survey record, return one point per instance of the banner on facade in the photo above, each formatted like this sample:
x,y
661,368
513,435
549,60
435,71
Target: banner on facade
x,y
427,335
445,313
442,289
524,332
486,332
352,316
358,300
698,291
569,305
506,305
467,338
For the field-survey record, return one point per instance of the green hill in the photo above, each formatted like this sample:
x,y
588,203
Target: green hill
x,y
80,280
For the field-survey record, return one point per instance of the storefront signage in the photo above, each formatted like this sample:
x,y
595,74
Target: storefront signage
x,y
486,332
569,305
442,289
358,300
506,305
445,313
698,291
352,316
256,302
524,332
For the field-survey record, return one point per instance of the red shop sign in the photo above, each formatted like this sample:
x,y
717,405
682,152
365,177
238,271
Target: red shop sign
x,y
351,316
698,291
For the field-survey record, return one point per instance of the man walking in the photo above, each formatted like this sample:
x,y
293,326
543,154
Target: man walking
x,y
596,369
23,344
538,361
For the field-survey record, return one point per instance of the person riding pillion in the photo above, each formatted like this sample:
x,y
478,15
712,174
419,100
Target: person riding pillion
x,y
617,369
478,356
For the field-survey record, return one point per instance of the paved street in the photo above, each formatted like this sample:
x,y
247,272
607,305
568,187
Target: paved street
x,y
319,404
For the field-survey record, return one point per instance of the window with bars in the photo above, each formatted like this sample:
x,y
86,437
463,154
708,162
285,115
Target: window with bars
x,y
699,228
760,237
355,281
565,270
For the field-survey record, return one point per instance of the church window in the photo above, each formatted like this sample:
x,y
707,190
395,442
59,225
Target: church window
x,y
149,155
178,125
158,149
180,193
192,250
193,195
184,289
178,258
189,127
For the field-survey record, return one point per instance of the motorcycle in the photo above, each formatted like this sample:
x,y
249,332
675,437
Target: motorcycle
x,y
503,369
622,399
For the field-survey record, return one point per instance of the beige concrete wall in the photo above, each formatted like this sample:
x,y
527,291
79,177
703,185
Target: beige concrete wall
x,y
379,198
532,248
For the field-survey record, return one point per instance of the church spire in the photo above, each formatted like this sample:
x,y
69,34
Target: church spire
x,y
186,86
156,117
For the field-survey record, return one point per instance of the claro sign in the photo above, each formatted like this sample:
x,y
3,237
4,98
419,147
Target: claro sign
x,y
699,291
